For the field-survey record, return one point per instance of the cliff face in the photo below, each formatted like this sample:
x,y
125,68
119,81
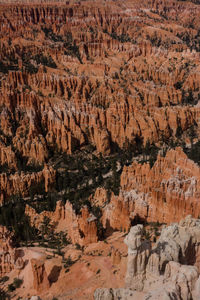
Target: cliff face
x,y
164,193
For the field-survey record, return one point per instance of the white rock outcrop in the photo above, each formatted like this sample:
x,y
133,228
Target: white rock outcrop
x,y
167,271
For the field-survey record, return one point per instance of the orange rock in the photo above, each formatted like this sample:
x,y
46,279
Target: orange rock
x,y
80,229
40,280
165,193
21,183
115,256
100,197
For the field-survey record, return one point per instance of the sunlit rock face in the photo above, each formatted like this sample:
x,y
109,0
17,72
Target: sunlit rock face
x,y
164,193
169,269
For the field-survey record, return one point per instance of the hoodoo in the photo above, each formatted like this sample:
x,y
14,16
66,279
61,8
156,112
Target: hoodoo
x,y
99,143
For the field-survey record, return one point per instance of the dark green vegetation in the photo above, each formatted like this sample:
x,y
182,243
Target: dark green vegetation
x,y
123,38
79,175
15,285
70,45
194,152
4,295
77,178
13,217
31,63
45,61
4,279
4,67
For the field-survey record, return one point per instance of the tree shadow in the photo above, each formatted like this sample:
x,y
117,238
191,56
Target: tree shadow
x,y
54,274
108,230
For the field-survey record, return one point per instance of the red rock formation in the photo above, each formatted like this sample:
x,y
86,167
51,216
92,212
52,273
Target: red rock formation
x,y
115,256
117,214
96,94
80,229
165,193
100,197
9,256
108,75
21,183
6,259
40,280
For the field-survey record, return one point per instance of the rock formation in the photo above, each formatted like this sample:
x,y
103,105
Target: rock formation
x,y
22,183
40,280
17,260
64,94
164,193
110,82
167,270
99,79
80,228
10,257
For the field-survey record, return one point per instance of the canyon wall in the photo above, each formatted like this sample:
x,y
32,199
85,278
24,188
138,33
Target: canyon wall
x,y
164,193
62,88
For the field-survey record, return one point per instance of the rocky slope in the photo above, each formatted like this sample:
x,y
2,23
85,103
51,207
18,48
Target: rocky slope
x,y
81,229
164,269
74,275
168,269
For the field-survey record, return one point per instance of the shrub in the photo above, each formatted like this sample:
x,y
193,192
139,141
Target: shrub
x,y
78,247
17,282
30,68
67,270
45,61
4,295
4,279
11,287
147,235
69,262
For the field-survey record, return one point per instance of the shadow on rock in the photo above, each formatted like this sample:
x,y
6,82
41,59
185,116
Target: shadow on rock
x,y
54,274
